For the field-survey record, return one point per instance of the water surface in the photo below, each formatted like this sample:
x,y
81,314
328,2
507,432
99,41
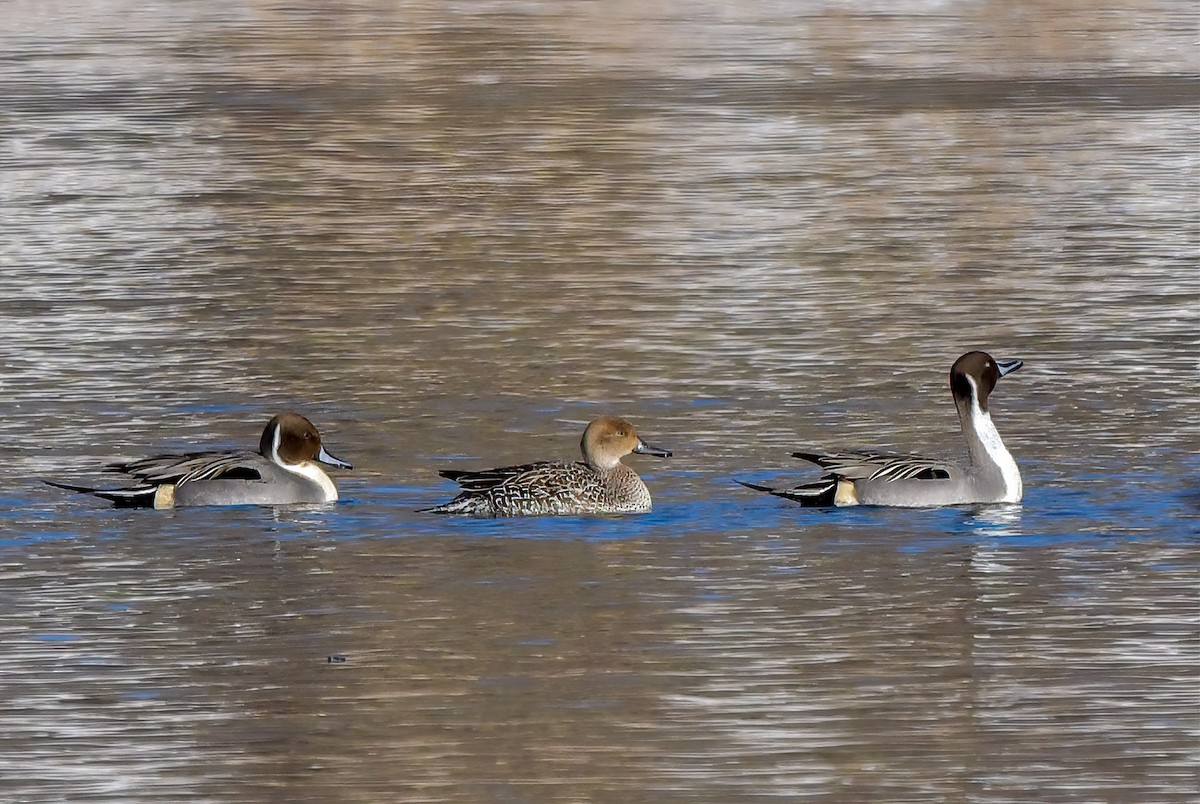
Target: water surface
x,y
451,234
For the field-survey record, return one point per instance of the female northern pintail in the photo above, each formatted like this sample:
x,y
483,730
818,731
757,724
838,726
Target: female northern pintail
x,y
284,471
873,478
601,484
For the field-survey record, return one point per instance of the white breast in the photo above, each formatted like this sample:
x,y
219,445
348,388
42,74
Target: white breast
x,y
997,453
310,471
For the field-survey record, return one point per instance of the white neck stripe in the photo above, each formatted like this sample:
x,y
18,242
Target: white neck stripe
x,y
984,433
275,448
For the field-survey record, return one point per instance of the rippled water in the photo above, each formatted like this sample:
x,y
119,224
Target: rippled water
x,y
451,233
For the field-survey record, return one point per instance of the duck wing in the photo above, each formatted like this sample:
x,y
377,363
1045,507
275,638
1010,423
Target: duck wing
x,y
488,479
880,466
192,466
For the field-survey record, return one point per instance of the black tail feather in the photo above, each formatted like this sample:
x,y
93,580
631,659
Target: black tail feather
x,y
136,497
818,494
68,486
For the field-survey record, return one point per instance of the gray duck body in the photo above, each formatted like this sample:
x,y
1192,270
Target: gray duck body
x,y
874,478
229,478
284,471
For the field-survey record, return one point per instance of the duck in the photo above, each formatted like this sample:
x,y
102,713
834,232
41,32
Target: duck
x,y
599,484
285,470
990,475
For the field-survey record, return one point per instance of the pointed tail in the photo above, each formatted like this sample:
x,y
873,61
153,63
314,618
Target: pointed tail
x,y
136,497
464,504
819,493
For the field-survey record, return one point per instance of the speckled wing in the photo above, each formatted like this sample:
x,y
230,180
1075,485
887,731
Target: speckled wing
x,y
531,489
193,466
880,466
488,479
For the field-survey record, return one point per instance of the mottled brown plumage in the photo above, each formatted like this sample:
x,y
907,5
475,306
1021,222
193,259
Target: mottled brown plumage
x,y
600,484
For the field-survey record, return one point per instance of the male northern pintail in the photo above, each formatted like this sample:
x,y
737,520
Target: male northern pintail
x,y
284,471
873,478
600,484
